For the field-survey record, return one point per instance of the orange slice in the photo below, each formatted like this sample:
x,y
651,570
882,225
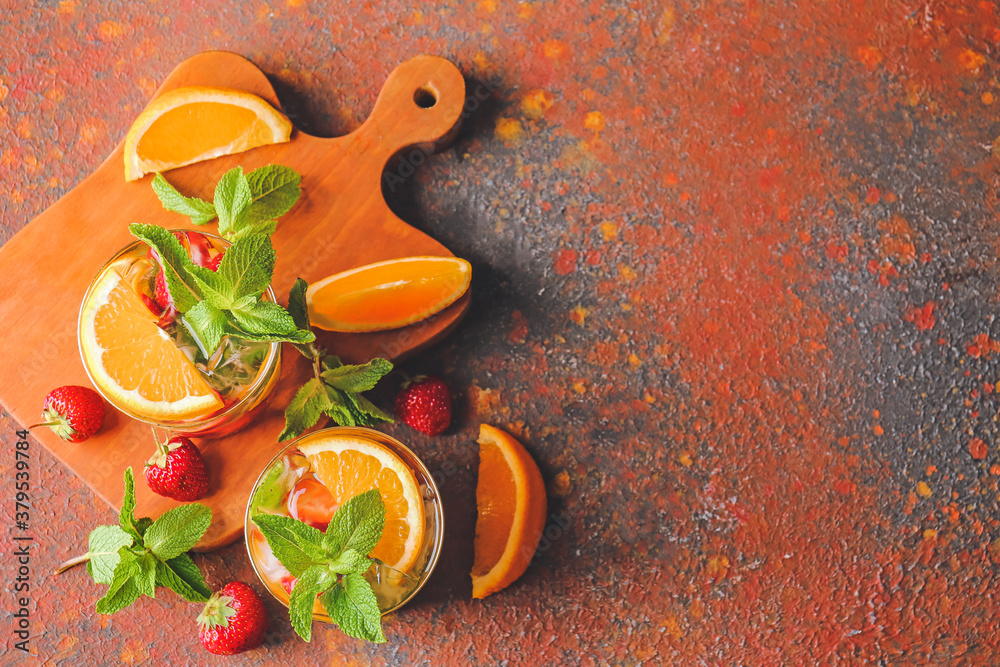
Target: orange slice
x,y
187,125
510,495
348,465
387,295
134,362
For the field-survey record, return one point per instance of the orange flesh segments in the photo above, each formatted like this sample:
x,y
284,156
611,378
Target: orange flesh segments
x,y
349,465
135,362
510,496
387,295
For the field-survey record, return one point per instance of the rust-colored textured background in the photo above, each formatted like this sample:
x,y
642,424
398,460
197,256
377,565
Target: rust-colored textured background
x,y
735,285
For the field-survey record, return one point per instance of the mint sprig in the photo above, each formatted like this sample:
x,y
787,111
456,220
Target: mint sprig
x,y
244,203
332,565
227,302
335,388
136,556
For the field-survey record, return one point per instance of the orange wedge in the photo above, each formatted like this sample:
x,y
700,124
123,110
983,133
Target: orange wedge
x,y
348,465
510,495
133,362
187,125
387,295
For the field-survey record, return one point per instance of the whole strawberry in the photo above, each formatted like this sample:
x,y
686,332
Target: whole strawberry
x,y
74,413
177,470
425,404
233,620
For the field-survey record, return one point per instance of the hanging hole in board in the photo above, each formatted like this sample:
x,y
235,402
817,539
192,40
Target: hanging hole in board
x,y
424,97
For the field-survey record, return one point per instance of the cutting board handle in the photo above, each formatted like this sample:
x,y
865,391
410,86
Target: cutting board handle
x,y
420,103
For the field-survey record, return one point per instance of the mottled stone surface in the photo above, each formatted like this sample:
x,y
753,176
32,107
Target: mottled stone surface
x,y
735,286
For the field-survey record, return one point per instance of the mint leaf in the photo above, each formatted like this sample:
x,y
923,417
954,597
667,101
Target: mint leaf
x,y
296,545
357,525
352,605
366,412
265,227
177,530
126,518
207,324
182,576
265,317
297,307
232,200
248,265
318,560
313,581
199,210
297,336
145,579
274,189
175,263
143,524
214,288
299,311
103,546
340,384
311,401
339,410
357,378
123,590
350,561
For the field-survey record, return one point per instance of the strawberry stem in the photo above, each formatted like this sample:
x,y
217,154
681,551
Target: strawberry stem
x,y
158,459
55,423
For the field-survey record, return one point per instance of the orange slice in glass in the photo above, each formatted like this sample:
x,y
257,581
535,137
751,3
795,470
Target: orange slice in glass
x,y
387,295
510,496
196,123
348,465
134,362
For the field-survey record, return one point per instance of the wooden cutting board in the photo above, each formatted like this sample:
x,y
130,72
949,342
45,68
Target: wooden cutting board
x,y
340,222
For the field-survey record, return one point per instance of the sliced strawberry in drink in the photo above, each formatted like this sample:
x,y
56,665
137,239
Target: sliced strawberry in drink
x,y
288,583
199,248
311,502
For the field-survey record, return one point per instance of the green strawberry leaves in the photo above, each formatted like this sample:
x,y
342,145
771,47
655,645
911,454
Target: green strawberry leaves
x,y
332,565
136,556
